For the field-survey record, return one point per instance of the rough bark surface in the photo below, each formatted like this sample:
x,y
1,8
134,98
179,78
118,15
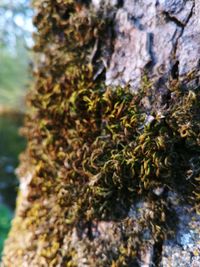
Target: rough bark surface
x,y
147,45
160,38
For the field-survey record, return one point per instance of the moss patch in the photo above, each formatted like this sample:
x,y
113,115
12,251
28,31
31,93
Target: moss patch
x,y
95,152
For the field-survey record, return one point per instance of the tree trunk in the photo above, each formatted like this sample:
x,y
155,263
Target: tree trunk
x,y
111,173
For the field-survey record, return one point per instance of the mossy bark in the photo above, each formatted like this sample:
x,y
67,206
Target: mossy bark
x,y
111,172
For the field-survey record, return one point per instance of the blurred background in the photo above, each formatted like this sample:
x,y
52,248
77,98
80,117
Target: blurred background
x,y
15,79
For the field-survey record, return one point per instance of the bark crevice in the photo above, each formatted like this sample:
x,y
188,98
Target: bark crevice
x,y
154,42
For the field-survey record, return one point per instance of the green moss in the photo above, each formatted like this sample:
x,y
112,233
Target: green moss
x,y
94,152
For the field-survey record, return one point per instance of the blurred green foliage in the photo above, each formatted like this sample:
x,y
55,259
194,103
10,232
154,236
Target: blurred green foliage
x,y
13,77
10,147
5,219
15,42
11,143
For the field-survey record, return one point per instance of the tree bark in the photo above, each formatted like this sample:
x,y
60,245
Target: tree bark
x,y
111,173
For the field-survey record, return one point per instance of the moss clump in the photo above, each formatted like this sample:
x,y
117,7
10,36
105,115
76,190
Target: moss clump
x,y
94,153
